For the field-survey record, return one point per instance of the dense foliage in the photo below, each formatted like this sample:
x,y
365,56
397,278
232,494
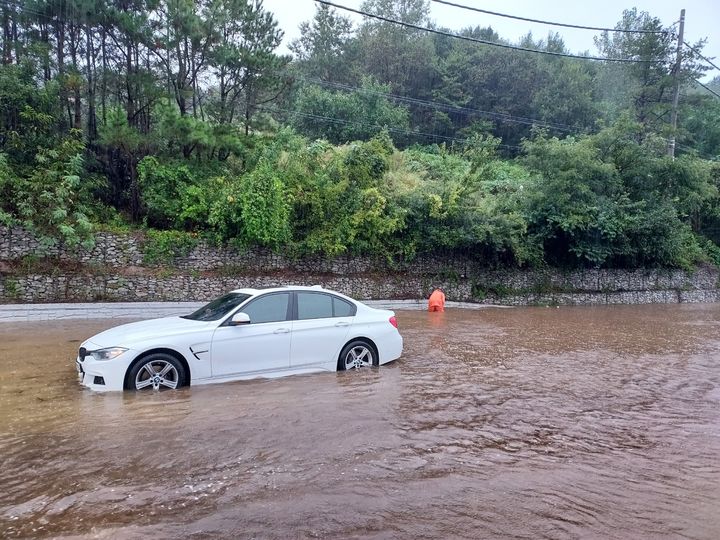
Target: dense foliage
x,y
181,117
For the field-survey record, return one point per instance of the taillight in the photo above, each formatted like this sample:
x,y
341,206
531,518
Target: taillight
x,y
393,321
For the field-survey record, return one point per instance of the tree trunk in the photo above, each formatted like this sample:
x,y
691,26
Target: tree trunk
x,y
193,83
103,86
77,101
147,114
90,66
130,107
16,41
134,189
223,96
60,46
60,55
7,36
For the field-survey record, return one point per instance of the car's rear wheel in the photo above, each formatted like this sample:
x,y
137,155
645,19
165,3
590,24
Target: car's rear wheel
x,y
357,354
158,371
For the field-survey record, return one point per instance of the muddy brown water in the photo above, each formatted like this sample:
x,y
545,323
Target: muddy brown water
x,y
499,423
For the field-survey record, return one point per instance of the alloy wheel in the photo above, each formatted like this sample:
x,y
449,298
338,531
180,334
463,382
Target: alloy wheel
x,y
157,374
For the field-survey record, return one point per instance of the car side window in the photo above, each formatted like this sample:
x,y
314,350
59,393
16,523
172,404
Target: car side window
x,y
314,306
269,308
341,308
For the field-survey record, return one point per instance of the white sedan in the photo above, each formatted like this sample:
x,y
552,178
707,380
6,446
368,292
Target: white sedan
x,y
244,334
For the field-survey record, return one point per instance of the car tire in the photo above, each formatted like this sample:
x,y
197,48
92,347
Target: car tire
x,y
356,354
157,371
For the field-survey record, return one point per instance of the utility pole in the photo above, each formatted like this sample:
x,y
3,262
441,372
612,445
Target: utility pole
x,y
676,91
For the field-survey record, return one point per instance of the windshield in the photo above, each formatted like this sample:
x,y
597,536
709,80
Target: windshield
x,y
218,308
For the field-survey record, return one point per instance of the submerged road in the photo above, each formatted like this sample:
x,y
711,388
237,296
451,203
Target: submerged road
x,y
582,422
145,310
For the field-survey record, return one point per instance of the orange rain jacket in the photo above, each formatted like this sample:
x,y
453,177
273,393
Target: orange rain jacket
x,y
437,301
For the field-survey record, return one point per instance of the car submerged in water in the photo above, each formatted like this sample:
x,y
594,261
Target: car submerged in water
x,y
244,334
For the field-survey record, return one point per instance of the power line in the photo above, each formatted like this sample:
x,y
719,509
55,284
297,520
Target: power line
x,y
365,124
503,117
708,89
334,120
439,106
23,9
550,23
482,41
690,150
469,111
693,49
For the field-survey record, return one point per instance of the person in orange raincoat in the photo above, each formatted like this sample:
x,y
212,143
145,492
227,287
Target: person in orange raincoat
x,y
437,300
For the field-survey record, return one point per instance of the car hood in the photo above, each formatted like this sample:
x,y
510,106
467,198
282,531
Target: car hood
x,y
129,335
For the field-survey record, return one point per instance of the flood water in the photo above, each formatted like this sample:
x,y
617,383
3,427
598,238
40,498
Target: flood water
x,y
498,423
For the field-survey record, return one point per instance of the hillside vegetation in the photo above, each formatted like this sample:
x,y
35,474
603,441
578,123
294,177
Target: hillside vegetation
x,y
181,117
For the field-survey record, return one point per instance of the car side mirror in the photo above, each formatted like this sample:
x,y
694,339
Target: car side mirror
x,y
240,318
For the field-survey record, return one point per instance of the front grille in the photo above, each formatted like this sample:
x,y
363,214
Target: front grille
x,y
82,353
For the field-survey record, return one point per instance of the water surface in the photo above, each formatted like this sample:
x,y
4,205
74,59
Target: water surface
x,y
499,423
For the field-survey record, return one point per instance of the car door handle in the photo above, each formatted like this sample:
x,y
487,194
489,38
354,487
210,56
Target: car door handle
x,y
342,323
281,331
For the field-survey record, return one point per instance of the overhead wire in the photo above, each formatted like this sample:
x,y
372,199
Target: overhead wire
x,y
450,108
482,41
502,117
690,150
21,5
693,49
335,120
26,9
595,28
550,23
713,92
23,8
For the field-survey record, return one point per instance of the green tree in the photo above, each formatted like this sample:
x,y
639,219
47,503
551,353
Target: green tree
x,y
576,205
400,57
699,121
342,116
323,44
249,74
609,200
646,86
126,147
28,113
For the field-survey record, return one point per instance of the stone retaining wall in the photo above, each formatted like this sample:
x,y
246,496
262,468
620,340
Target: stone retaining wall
x,y
83,288
208,271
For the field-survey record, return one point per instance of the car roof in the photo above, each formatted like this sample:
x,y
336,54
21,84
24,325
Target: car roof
x,y
318,288
253,292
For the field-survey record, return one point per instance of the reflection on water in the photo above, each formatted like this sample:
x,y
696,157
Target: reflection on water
x,y
518,423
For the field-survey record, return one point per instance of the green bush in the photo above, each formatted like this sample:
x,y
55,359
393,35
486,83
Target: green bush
x,y
162,247
264,207
608,200
53,198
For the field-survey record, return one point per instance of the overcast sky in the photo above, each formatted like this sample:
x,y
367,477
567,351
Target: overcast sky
x,y
702,18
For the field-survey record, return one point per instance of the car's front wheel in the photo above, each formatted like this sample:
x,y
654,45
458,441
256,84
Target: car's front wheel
x,y
158,371
357,354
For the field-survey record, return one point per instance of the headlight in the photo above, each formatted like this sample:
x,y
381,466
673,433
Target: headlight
x,y
107,354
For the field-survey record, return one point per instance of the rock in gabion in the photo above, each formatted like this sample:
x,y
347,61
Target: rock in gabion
x,y
208,271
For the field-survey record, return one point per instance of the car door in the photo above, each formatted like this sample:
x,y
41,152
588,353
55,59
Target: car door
x,y
320,329
262,345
